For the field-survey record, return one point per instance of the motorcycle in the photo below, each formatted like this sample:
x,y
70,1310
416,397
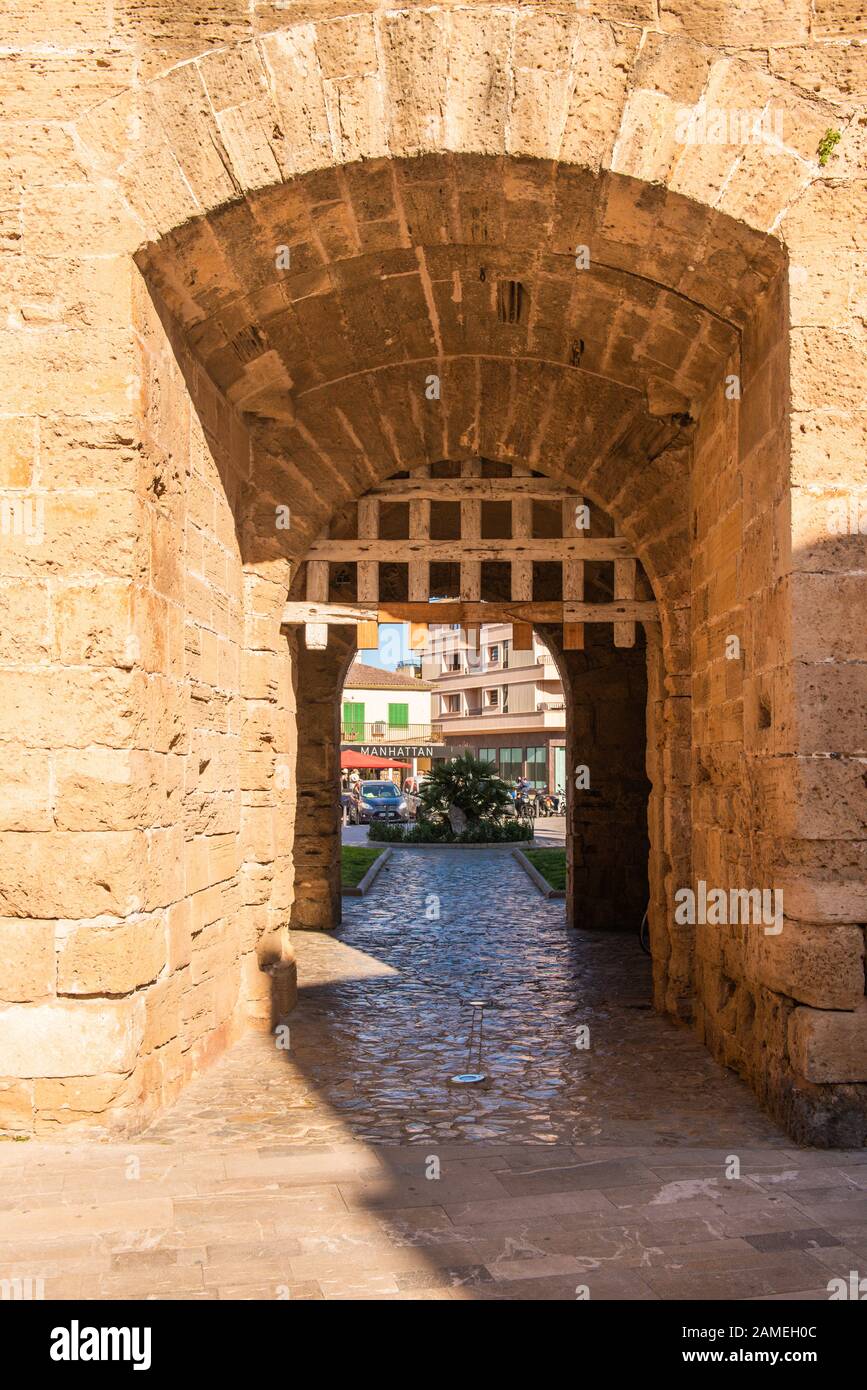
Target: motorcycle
x,y
525,804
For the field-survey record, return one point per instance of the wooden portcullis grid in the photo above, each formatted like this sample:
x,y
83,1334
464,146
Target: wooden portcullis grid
x,y
368,550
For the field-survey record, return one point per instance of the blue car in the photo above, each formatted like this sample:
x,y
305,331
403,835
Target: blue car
x,y
373,801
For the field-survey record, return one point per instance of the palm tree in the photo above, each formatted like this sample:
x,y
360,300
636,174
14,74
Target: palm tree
x,y
467,783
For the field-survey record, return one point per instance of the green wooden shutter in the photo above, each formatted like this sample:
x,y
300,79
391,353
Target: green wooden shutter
x,y
353,719
398,716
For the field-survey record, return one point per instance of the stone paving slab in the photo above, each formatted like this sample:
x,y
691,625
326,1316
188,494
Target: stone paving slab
x,y
357,1240
348,1168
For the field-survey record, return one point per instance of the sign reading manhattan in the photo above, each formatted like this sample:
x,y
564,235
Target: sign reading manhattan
x,y
395,750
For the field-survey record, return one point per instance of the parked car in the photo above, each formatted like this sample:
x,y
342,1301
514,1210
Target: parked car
x,y
373,801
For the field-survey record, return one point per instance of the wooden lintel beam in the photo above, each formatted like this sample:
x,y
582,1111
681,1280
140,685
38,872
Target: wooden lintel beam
x,y
401,552
469,614
467,487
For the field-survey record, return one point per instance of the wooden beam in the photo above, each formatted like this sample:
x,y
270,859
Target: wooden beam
x,y
522,637
454,611
466,487
298,611
471,530
367,583
316,632
522,530
573,577
367,636
624,589
401,552
615,610
419,530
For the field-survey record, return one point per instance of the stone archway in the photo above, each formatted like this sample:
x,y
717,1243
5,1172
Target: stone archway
x,y
428,529
443,171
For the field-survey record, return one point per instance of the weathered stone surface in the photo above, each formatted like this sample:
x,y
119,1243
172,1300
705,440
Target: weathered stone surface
x,y
818,965
111,959
69,1099
27,953
86,1037
75,875
829,1046
25,790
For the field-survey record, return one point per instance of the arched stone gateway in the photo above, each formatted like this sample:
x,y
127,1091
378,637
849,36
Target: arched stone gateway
x,y
483,541
260,265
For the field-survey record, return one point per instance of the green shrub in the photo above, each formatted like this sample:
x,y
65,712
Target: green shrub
x,y
425,832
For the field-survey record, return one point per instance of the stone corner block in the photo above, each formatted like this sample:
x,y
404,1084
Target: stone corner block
x,y
80,1038
828,1045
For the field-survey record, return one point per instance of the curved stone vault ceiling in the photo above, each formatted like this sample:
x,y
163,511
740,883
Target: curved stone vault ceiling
x,y
399,270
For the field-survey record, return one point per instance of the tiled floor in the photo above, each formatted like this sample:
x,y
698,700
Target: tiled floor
x,y
348,1165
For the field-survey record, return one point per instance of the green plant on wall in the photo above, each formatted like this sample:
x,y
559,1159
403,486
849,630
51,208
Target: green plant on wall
x,y
826,145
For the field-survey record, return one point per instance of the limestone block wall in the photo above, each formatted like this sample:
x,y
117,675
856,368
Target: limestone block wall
x,y
231,696
157,706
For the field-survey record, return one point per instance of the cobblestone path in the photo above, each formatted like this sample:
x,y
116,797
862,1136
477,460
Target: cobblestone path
x,y
383,1019
349,1167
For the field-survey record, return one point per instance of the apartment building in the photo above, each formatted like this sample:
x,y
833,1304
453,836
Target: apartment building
x,y
498,703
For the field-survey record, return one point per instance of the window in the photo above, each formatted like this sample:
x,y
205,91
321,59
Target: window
x,y
511,760
494,655
488,755
353,719
497,698
451,704
559,768
398,716
537,766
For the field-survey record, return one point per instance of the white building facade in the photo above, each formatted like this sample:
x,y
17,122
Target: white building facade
x,y
388,714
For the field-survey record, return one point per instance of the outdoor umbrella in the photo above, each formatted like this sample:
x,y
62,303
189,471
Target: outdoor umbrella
x,y
349,758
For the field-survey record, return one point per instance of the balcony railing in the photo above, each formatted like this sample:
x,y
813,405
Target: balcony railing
x,y
383,732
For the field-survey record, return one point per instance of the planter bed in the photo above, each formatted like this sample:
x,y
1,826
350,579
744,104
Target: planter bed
x,y
359,867
537,861
449,844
